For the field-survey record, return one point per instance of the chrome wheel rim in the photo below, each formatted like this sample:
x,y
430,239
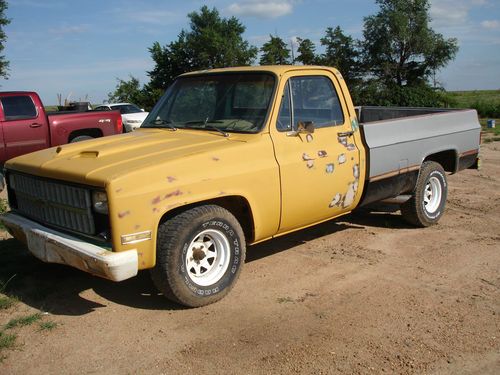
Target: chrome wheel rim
x,y
207,257
432,195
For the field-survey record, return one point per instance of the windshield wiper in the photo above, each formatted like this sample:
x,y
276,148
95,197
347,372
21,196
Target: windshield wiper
x,y
192,125
225,134
169,124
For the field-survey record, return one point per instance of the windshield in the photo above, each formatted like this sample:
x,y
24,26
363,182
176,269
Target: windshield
x,y
126,108
227,102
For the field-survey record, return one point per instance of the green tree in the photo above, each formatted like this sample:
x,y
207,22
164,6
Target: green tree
x,y
307,52
399,46
127,91
4,21
210,42
275,52
342,52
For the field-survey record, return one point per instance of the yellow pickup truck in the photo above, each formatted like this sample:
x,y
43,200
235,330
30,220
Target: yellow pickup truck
x,y
226,158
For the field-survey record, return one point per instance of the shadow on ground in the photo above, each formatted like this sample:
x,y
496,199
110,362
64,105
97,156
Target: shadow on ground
x,y
57,288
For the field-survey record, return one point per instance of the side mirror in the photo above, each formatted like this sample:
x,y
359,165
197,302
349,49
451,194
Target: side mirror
x,y
303,127
142,109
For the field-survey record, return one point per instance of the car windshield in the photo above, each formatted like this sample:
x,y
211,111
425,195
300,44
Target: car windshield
x,y
227,102
126,108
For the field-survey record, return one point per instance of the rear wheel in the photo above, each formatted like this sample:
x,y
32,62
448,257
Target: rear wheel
x,y
199,255
81,138
426,205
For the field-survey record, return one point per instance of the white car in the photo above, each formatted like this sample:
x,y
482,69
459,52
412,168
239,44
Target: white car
x,y
132,115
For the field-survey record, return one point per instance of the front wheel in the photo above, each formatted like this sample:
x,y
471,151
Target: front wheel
x,y
426,205
199,255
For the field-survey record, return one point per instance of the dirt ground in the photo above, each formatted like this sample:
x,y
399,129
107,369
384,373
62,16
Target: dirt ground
x,y
364,294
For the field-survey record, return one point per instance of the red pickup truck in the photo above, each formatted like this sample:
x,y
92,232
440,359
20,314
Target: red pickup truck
x,y
26,127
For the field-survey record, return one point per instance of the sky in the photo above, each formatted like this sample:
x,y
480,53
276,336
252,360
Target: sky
x,y
80,48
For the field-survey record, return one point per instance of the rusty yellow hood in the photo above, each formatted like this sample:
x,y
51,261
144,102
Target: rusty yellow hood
x,y
99,161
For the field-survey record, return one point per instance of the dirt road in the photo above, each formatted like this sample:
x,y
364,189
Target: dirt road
x,y
365,294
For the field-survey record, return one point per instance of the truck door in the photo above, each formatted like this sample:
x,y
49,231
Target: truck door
x,y
24,124
319,170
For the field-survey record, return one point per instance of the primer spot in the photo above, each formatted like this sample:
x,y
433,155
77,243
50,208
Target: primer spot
x,y
341,159
122,214
309,138
322,154
350,194
330,168
310,164
335,201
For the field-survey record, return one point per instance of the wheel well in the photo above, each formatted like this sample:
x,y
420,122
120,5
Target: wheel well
x,y
447,159
237,205
91,132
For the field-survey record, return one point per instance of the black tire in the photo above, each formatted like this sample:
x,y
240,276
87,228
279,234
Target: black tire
x,y
172,274
81,138
428,200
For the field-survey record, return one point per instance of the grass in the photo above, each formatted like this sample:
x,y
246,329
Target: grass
x,y
23,321
465,99
47,326
7,340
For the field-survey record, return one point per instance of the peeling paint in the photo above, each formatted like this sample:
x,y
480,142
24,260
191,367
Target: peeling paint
x,y
309,138
330,168
351,194
351,147
354,125
222,193
310,164
171,179
306,157
122,214
336,201
322,153
355,171
342,140
341,159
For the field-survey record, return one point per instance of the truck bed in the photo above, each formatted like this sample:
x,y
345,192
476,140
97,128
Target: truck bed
x,y
398,140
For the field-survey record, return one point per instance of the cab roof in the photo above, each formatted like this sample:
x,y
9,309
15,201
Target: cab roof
x,y
276,69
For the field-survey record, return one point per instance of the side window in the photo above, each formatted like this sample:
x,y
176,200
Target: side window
x,y
315,99
284,117
18,107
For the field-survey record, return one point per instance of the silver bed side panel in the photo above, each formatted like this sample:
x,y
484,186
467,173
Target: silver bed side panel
x,y
398,144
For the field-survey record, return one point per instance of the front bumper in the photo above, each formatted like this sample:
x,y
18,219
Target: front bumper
x,y
56,247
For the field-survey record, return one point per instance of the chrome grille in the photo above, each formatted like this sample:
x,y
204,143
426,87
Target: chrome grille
x,y
54,202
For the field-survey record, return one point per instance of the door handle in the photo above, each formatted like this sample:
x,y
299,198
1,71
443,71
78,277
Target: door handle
x,y
345,134
35,125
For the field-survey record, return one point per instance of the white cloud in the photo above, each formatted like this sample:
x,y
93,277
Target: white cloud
x,y
261,9
491,24
65,30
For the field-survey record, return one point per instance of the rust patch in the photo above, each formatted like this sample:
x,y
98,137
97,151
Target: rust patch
x,y
122,214
118,190
136,226
322,153
336,201
341,159
310,164
330,168
156,210
222,193
309,138
215,158
175,193
171,179
351,147
156,200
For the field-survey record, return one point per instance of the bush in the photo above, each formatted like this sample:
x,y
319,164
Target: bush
x,y
487,109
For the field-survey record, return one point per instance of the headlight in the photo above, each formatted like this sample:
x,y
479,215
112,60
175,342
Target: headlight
x,y
100,202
